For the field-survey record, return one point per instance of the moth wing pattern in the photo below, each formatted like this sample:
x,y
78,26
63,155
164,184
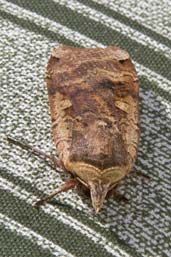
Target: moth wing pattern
x,y
94,102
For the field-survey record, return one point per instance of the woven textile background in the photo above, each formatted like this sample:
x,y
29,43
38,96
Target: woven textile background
x,y
29,29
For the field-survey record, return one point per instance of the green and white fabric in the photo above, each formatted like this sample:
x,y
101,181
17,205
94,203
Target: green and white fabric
x,y
29,29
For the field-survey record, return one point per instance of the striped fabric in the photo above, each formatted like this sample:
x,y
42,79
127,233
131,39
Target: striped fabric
x,y
29,29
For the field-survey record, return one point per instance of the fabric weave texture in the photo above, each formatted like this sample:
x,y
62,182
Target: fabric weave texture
x,y
67,226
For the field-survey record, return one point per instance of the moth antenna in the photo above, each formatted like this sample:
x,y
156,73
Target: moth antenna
x,y
98,192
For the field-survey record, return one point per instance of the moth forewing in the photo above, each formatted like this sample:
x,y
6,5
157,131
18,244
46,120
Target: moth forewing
x,y
93,97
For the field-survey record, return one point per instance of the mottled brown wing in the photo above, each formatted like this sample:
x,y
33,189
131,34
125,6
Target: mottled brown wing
x,y
93,95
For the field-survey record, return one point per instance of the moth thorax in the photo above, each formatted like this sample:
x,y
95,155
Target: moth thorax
x,y
98,192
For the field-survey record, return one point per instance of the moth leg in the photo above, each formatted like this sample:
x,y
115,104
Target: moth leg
x,y
139,173
36,152
117,195
120,197
69,184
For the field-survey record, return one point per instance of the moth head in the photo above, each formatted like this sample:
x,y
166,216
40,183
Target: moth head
x,y
97,183
98,192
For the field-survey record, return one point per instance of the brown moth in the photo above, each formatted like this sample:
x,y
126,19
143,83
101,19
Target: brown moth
x,y
93,95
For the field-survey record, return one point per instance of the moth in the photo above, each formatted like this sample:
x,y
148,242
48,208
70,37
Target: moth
x,y
94,103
